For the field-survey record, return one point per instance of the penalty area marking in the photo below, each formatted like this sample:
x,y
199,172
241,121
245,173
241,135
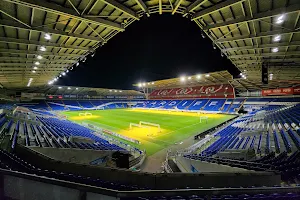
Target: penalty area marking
x,y
178,129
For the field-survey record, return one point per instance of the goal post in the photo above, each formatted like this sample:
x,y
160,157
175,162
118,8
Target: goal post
x,y
150,124
85,114
205,118
133,124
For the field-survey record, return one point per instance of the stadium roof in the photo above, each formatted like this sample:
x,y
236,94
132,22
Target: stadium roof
x,y
198,79
59,90
248,32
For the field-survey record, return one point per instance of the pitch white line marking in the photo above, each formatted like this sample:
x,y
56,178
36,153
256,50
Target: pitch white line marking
x,y
177,129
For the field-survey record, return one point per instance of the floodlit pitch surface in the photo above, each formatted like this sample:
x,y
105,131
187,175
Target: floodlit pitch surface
x,y
175,126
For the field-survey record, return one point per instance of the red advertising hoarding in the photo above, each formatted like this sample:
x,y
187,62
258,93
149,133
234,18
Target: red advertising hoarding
x,y
278,92
209,91
296,90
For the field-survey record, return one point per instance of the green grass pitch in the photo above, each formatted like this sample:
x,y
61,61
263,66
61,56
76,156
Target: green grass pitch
x,y
176,126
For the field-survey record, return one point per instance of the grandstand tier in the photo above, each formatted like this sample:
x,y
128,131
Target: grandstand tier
x,y
263,144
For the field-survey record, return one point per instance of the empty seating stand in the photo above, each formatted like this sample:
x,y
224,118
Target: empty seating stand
x,y
56,131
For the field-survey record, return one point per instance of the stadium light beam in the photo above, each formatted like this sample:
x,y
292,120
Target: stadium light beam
x,y
182,78
152,83
64,73
33,71
139,85
198,76
207,75
69,88
35,68
76,88
39,57
37,63
189,78
59,87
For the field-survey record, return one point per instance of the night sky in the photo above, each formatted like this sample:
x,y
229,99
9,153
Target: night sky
x,y
154,48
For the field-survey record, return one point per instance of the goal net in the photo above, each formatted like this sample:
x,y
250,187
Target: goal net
x,y
142,123
85,114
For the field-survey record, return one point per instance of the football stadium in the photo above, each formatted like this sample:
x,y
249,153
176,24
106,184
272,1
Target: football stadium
x,y
226,134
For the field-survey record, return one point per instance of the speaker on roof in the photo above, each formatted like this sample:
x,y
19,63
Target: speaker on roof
x,y
264,73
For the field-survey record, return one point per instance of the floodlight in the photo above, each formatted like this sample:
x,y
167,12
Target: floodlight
x,y
198,76
39,57
35,68
182,78
37,63
152,83
280,19
207,75
33,71
277,38
29,82
214,46
64,73
59,87
69,88
47,36
42,48
189,78
275,50
140,85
